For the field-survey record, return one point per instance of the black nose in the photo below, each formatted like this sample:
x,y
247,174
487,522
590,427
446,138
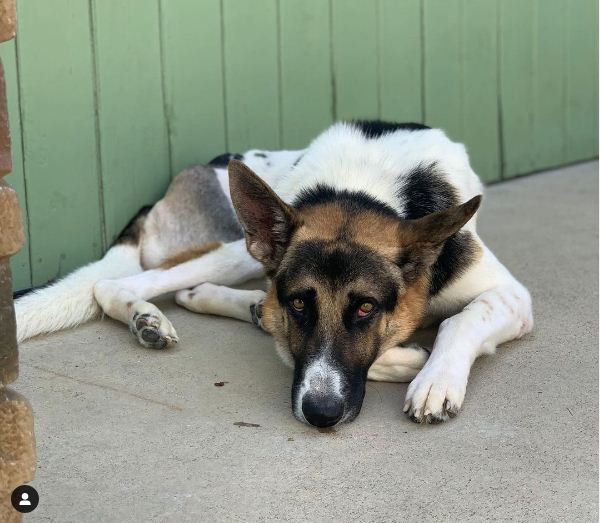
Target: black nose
x,y
322,411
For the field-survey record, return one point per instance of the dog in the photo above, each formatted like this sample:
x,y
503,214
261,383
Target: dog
x,y
364,236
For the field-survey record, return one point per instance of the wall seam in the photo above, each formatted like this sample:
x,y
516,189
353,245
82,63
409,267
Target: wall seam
x,y
279,74
423,61
566,87
224,75
22,146
97,132
332,65
163,87
501,163
378,57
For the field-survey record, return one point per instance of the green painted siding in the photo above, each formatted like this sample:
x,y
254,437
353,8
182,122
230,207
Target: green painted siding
x,y
108,100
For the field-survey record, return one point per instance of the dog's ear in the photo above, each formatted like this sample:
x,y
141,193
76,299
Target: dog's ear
x,y
268,221
421,240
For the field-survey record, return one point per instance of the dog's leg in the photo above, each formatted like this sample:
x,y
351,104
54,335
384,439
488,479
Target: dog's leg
x,y
400,364
497,315
125,299
70,301
219,300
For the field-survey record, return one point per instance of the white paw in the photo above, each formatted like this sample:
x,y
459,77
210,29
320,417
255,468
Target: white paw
x,y
199,299
219,300
151,327
436,394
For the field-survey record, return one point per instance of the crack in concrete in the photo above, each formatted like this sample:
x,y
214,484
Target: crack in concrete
x,y
170,406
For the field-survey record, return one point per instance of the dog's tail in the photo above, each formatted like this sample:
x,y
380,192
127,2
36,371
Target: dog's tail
x,y
70,301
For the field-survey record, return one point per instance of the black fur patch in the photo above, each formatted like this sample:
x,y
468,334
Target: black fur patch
x,y
457,254
351,200
377,128
131,233
425,191
223,159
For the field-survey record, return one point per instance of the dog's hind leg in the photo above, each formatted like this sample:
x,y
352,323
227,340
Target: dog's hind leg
x,y
192,219
125,299
399,364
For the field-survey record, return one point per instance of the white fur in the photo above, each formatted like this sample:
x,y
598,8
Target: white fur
x,y
208,298
70,301
230,264
494,317
343,158
320,377
399,364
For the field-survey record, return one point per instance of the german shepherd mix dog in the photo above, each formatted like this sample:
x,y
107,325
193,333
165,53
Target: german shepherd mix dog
x,y
364,236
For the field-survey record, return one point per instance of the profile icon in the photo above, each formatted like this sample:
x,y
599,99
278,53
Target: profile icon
x,y
24,498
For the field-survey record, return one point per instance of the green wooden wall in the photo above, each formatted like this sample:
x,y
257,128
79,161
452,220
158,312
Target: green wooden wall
x,y
109,99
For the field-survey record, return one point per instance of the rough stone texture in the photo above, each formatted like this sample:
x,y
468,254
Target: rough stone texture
x,y
8,20
5,155
130,434
9,355
17,448
11,231
17,444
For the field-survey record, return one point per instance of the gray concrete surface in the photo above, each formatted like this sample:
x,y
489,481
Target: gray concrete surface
x,y
130,434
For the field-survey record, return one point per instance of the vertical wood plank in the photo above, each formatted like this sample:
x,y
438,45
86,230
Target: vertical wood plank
x,y
582,80
19,263
306,89
355,60
59,140
400,86
443,54
193,80
479,91
516,86
133,135
251,74
548,85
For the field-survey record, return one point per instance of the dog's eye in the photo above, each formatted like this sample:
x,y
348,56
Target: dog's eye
x,y
365,309
298,304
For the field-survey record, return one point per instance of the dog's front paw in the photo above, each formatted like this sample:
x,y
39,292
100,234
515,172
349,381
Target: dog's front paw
x,y
435,395
152,328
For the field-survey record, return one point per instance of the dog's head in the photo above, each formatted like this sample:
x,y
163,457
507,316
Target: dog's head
x,y
350,279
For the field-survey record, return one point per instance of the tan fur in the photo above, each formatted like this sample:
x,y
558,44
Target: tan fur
x,y
330,221
189,254
407,315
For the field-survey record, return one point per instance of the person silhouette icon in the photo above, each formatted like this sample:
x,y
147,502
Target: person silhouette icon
x,y
24,499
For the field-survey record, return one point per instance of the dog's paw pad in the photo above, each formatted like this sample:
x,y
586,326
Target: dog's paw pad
x,y
153,331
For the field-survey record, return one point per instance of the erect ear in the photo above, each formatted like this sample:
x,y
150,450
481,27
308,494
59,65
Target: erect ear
x,y
421,240
268,221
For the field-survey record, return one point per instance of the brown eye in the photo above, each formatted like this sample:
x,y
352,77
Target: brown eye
x,y
365,309
298,304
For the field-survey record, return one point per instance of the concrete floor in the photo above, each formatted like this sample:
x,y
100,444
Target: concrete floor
x,y
130,434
